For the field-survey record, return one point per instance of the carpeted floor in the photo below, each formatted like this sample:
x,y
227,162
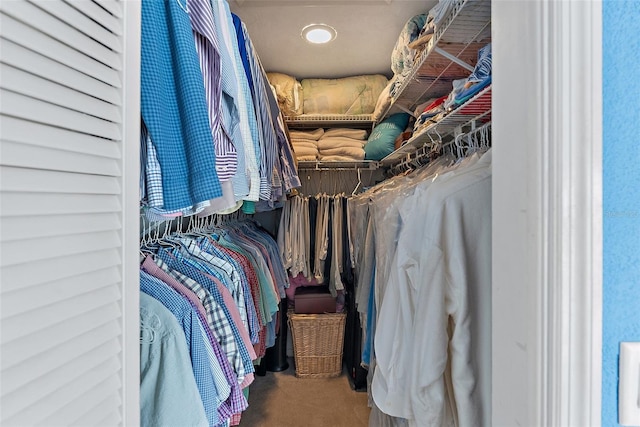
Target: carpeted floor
x,y
279,399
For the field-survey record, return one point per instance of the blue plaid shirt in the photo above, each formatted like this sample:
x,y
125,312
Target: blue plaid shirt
x,y
174,107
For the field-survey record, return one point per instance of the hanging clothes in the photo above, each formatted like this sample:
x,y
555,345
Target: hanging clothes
x,y
223,286
422,247
174,107
212,135
313,240
168,390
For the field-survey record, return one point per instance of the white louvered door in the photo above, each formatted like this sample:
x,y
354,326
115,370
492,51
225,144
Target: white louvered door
x,y
69,114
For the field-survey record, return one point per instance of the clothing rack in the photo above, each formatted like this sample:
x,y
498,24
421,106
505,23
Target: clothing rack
x,y
337,180
462,145
154,231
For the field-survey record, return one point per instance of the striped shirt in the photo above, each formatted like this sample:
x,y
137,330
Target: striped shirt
x,y
248,124
263,113
207,46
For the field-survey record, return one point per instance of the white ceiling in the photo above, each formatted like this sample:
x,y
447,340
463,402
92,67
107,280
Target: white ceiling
x,y
367,31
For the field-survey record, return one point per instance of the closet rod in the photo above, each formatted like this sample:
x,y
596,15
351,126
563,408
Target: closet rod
x,y
338,166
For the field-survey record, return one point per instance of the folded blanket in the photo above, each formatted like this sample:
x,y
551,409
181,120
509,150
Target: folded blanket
x,y
311,134
354,153
329,143
304,151
306,158
305,143
347,133
402,54
338,159
348,95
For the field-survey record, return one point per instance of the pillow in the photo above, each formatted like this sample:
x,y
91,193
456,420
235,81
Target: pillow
x,y
402,54
288,92
381,141
384,100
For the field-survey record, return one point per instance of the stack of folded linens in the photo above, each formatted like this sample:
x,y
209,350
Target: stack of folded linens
x,y
305,144
342,145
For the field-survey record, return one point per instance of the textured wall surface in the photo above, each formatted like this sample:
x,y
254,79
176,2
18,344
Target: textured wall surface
x,y
621,215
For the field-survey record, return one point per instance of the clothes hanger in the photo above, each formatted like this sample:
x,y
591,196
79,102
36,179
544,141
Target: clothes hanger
x,y
144,251
458,145
353,193
166,238
185,7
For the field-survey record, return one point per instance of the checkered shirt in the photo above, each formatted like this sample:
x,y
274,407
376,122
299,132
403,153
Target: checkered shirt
x,y
236,401
249,269
232,343
244,300
174,107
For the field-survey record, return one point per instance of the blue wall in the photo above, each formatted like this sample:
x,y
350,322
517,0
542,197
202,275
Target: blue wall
x,y
621,197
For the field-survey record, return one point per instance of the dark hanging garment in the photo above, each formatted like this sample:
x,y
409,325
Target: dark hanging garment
x,y
353,344
347,273
313,215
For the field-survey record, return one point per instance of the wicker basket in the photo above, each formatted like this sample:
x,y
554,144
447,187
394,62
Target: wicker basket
x,y
317,344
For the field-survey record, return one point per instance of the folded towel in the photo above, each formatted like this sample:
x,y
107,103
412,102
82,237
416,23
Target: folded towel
x,y
338,142
347,133
355,153
304,141
305,151
304,145
311,134
306,158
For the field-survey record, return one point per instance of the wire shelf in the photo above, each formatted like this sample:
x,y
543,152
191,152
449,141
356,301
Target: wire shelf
x,y
320,165
475,111
360,121
460,36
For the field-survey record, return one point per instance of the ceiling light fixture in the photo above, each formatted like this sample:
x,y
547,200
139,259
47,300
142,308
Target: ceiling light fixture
x,y
318,33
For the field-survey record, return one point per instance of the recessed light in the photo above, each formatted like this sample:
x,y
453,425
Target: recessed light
x,y
318,33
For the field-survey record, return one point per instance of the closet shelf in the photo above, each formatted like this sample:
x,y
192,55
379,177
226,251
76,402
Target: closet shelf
x,y
455,43
477,110
360,121
355,165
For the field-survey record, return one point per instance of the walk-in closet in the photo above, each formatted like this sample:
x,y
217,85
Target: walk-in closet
x,y
282,214
328,233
